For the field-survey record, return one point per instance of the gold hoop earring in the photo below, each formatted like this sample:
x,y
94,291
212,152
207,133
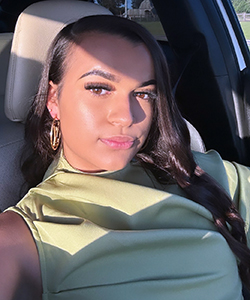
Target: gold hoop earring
x,y
55,134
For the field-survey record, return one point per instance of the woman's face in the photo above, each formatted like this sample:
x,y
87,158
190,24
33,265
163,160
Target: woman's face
x,y
105,102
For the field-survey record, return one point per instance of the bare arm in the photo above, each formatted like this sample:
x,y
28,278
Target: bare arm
x,y
19,263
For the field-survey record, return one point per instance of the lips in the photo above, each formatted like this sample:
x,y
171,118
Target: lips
x,y
118,142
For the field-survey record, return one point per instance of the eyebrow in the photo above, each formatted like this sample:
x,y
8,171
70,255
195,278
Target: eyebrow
x,y
149,82
103,74
112,77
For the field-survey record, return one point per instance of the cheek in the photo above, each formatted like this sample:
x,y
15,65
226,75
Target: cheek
x,y
73,107
149,116
77,121
142,112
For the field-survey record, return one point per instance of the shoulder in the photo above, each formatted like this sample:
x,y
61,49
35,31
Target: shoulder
x,y
212,163
233,177
19,272
228,174
239,182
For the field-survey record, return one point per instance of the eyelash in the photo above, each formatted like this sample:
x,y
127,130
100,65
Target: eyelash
x,y
98,86
108,88
150,93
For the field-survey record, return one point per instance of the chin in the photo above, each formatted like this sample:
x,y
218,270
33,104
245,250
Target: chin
x,y
116,166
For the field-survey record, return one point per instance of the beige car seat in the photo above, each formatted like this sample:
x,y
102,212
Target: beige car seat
x,y
35,29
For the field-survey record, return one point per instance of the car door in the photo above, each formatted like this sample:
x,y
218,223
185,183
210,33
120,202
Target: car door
x,y
212,63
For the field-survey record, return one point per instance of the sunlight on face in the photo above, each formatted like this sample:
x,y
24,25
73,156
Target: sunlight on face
x,y
105,104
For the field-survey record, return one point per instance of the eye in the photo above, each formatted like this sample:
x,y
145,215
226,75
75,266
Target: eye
x,y
98,89
145,95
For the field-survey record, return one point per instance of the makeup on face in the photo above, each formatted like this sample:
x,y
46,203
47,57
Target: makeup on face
x,y
105,104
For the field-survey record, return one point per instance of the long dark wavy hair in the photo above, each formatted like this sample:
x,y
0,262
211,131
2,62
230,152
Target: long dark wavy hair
x,y
166,151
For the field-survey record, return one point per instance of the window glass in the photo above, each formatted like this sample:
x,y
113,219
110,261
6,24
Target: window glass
x,y
244,19
238,52
141,11
242,9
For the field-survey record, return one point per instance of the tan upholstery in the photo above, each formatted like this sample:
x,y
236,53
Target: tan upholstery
x,y
35,29
5,44
196,142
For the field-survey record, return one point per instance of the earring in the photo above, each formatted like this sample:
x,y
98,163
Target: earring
x,y
55,134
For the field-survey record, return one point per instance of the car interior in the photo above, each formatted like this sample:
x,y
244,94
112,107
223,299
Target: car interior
x,y
209,77
35,29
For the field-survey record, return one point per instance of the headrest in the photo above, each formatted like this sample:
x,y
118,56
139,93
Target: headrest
x,y
35,29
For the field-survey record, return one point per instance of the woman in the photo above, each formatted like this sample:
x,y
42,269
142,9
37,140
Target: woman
x,y
125,211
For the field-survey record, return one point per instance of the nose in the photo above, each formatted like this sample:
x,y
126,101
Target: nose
x,y
120,112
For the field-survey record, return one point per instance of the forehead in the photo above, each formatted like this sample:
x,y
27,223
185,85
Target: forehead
x,y
113,53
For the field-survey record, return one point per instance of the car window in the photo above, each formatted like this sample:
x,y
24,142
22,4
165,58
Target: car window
x,y
242,9
244,19
235,42
141,11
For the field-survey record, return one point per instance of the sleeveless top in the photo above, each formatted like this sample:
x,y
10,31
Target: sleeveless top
x,y
122,235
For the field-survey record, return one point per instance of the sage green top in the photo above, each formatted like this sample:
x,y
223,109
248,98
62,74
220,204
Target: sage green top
x,y
122,235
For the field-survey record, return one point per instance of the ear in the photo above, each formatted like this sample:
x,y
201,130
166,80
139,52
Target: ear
x,y
52,102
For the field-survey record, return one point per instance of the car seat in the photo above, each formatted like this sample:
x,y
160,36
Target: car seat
x,y
35,29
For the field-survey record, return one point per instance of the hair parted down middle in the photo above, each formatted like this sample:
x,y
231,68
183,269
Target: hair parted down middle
x,y
166,152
